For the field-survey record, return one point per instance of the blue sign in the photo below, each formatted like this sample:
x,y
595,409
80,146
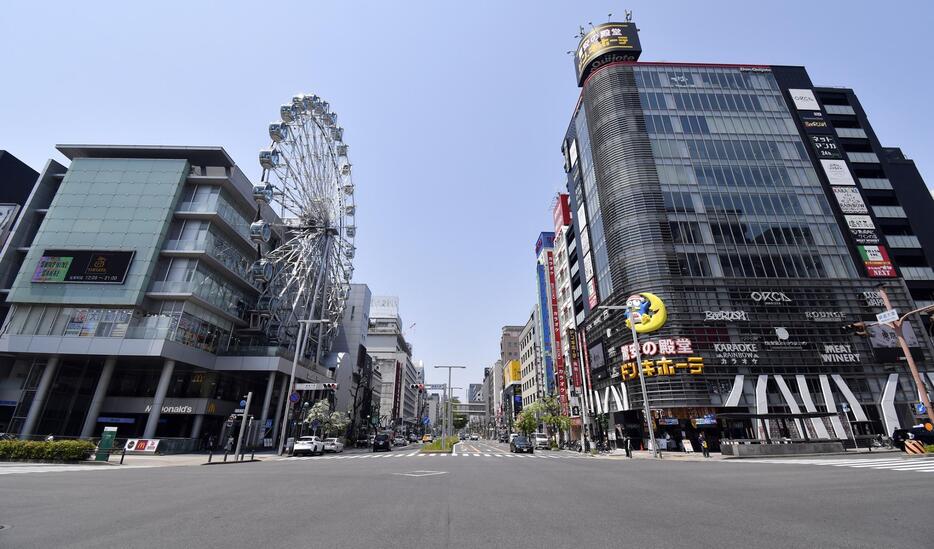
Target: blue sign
x,y
920,408
426,421
293,397
268,423
243,404
315,424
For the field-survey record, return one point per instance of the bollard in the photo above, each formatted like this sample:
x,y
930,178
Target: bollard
x,y
225,456
253,454
123,455
210,454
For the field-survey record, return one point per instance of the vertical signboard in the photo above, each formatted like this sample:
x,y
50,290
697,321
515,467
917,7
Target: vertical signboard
x,y
546,330
574,358
397,391
876,260
561,373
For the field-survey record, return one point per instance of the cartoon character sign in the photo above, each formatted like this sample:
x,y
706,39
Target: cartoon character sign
x,y
647,311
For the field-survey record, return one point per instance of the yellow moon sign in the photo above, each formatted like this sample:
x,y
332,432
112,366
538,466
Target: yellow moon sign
x,y
652,314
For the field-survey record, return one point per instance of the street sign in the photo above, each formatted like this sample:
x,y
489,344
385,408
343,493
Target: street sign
x,y
293,397
436,386
243,403
845,407
887,316
240,410
921,408
426,421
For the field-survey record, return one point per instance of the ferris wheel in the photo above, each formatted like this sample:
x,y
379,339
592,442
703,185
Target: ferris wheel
x,y
304,228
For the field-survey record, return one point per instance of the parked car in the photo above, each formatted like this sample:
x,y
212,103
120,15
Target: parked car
x,y
363,442
512,437
503,438
333,445
428,439
475,436
922,435
413,437
308,446
382,442
399,441
521,444
541,441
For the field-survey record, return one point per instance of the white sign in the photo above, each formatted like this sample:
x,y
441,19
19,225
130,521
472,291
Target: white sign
x,y
737,353
314,386
148,446
726,316
873,298
837,172
859,222
850,201
834,353
804,100
825,316
887,316
770,297
181,409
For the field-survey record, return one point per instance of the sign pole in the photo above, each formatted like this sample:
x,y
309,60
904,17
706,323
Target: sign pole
x,y
246,410
645,394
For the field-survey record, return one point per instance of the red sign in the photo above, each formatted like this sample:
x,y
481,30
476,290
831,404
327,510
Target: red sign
x,y
877,263
560,373
592,298
562,213
574,357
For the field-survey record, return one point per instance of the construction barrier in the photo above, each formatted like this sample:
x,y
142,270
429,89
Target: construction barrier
x,y
914,447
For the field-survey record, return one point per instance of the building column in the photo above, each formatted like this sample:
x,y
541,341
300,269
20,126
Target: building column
x,y
277,419
267,399
100,392
38,400
168,367
196,426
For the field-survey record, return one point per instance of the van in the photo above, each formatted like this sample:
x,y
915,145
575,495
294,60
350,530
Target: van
x,y
540,440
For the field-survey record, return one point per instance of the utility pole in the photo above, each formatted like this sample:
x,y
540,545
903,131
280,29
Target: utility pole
x,y
447,422
897,326
246,410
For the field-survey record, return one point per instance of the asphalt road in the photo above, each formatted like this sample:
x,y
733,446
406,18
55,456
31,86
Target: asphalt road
x,y
469,500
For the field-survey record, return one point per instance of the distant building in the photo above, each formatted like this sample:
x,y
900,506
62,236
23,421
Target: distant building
x,y
353,376
392,354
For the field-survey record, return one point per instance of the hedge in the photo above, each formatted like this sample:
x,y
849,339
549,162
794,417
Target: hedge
x,y
56,450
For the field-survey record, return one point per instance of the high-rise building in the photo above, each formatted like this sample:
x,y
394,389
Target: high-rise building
x,y
130,303
749,216
508,351
532,371
354,376
17,181
392,355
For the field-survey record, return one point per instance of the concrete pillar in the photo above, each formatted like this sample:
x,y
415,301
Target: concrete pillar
x,y
100,392
276,419
267,399
152,422
196,426
38,401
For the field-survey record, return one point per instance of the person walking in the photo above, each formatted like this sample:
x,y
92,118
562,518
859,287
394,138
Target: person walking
x,y
702,438
627,444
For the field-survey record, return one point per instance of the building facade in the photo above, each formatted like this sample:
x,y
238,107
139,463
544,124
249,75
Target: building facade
x,y
392,355
354,376
532,371
723,202
131,301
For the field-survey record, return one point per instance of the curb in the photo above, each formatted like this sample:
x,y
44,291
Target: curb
x,y
233,462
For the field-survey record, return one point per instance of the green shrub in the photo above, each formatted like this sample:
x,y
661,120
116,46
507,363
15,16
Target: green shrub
x,y
929,448
56,450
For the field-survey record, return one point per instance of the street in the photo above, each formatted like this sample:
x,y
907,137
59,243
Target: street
x,y
480,497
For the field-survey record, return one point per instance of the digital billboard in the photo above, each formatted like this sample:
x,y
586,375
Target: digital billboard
x,y
82,266
606,43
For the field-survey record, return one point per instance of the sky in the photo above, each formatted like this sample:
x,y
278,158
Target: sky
x,y
454,112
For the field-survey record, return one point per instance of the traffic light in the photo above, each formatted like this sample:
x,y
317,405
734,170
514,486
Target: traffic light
x,y
329,386
856,328
419,386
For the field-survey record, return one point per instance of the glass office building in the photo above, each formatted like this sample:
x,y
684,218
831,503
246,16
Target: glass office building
x,y
726,192
131,302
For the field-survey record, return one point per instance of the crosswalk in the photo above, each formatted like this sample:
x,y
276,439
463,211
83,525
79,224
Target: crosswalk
x,y
397,455
54,468
914,465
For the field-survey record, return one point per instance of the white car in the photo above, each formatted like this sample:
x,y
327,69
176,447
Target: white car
x,y
333,445
474,437
540,440
308,445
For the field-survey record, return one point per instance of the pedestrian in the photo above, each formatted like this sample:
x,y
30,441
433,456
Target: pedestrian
x,y
702,438
627,444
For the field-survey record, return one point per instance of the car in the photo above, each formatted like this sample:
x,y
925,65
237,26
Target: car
x,y
363,442
521,444
504,438
541,441
413,437
399,441
427,439
512,437
308,446
921,434
333,445
382,442
474,437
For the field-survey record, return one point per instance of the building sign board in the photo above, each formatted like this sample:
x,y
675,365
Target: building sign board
x,y
142,445
815,123
837,353
837,172
606,43
725,316
826,147
769,297
849,200
574,357
884,317
804,100
862,228
737,353
876,260
83,266
825,316
560,371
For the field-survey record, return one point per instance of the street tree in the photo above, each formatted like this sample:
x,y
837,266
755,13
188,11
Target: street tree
x,y
318,415
337,422
526,423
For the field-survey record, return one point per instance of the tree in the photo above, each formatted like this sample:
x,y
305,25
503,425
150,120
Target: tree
x,y
337,422
320,413
552,417
526,423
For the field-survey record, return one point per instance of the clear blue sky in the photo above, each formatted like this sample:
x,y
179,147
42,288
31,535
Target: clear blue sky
x,y
454,111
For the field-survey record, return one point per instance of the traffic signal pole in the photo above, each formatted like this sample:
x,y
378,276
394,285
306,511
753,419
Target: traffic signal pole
x,y
897,326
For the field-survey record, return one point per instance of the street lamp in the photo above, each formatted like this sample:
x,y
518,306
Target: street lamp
x,y
299,350
450,394
897,327
645,395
